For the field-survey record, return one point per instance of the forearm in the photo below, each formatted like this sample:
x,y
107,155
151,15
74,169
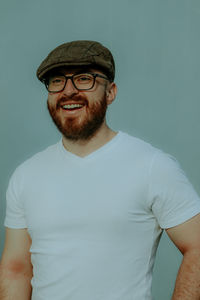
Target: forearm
x,y
14,286
187,285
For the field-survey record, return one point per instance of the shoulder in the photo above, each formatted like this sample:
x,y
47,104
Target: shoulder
x,y
132,141
143,154
38,161
134,146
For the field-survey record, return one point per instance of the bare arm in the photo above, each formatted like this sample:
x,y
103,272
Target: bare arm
x,y
187,239
15,266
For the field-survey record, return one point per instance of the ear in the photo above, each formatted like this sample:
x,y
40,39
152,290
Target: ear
x,y
111,92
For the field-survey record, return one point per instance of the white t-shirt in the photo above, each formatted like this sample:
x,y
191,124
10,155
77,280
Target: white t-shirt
x,y
95,222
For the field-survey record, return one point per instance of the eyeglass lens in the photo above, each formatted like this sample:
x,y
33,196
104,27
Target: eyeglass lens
x,y
81,82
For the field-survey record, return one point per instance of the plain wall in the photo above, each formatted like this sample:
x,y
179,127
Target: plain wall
x,y
156,47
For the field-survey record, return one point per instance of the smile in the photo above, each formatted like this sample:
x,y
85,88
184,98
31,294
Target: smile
x,y
72,106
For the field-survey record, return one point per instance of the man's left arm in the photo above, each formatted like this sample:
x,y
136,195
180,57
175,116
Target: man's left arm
x,y
187,239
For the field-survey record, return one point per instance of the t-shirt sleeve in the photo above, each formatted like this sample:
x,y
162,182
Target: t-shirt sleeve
x,y
15,215
172,198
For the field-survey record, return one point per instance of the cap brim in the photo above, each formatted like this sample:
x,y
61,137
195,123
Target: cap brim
x,y
41,73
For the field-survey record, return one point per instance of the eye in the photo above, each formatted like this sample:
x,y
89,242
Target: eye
x,y
83,78
57,80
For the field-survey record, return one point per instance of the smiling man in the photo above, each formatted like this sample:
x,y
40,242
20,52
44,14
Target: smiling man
x,y
84,216
77,103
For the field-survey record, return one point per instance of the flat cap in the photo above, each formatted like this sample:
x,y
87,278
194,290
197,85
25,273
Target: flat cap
x,y
79,53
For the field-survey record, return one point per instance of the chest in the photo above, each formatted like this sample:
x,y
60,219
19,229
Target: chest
x,y
103,200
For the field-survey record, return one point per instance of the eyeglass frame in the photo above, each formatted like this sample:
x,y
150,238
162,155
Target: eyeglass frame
x,y
95,75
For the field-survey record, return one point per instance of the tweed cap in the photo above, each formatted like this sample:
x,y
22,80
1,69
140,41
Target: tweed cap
x,y
79,53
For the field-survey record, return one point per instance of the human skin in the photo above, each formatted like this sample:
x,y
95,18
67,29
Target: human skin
x,y
103,134
186,237
15,266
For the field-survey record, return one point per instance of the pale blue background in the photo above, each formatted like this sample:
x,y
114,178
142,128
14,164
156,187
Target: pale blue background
x,y
156,46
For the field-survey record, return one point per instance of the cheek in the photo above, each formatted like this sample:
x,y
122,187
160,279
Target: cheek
x,y
52,100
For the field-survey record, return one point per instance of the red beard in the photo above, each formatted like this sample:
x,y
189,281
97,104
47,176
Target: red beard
x,y
75,129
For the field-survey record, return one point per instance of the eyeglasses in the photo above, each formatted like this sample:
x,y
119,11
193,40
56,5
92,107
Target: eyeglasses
x,y
82,82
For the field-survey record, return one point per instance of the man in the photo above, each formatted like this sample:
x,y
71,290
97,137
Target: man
x,y
84,217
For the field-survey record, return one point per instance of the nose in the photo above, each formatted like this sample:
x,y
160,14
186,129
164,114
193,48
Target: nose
x,y
69,89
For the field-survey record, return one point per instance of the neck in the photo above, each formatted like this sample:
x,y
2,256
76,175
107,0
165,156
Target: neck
x,y
85,147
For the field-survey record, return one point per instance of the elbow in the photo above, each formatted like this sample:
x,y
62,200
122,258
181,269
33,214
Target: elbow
x,y
14,269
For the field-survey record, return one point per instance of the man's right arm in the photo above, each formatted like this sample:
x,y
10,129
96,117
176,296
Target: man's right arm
x,y
15,266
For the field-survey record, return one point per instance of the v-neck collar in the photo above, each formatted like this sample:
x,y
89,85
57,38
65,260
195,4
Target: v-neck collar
x,y
94,154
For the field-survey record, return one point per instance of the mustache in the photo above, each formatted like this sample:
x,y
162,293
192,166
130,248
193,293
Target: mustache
x,y
76,98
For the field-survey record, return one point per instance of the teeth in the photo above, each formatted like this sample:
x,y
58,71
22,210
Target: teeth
x,y
70,106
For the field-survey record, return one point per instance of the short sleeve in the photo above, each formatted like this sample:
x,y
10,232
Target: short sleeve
x,y
15,215
172,198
